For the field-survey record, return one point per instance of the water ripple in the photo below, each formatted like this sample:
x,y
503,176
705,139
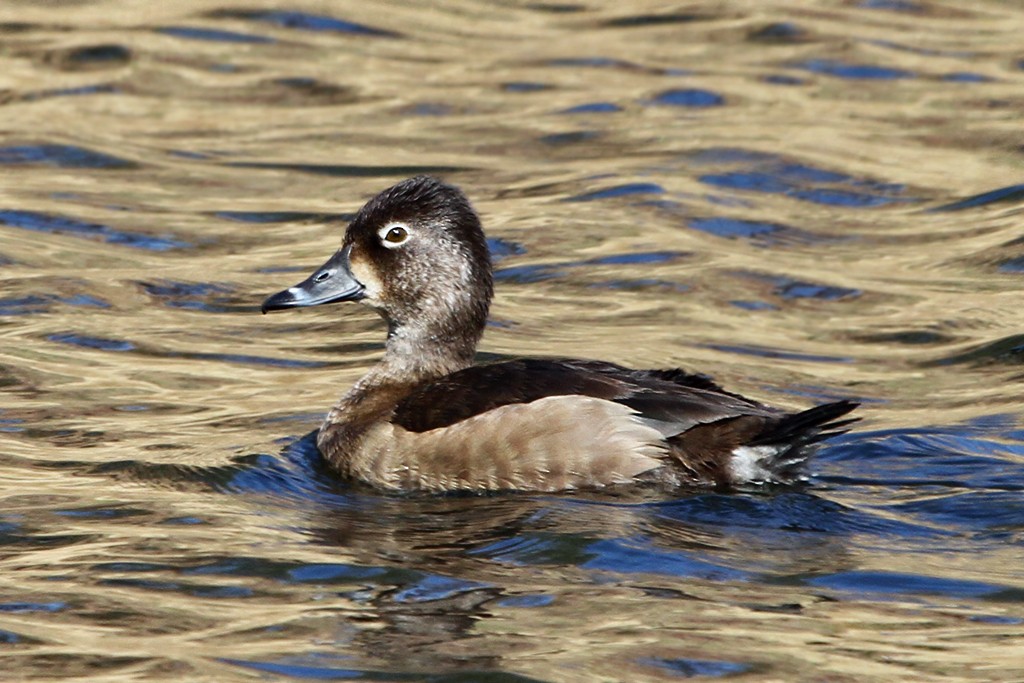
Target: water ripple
x,y
197,296
1011,193
154,485
62,225
63,156
688,98
348,170
772,174
758,232
89,342
698,668
839,69
213,35
915,584
626,190
304,21
90,57
593,108
547,271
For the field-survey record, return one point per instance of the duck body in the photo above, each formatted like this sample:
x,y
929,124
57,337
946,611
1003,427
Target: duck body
x,y
425,418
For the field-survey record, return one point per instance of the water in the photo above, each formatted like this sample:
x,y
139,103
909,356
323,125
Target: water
x,y
807,202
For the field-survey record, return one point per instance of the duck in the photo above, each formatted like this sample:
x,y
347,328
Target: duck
x,y
426,418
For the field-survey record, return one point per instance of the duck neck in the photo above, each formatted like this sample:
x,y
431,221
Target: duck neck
x,y
412,355
418,353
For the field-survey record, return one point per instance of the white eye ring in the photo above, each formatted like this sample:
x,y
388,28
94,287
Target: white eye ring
x,y
394,235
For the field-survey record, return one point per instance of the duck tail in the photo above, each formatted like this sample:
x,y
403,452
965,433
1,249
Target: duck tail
x,y
778,454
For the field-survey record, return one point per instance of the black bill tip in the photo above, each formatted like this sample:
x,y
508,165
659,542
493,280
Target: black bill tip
x,y
331,282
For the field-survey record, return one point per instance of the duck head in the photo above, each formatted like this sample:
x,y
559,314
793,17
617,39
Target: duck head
x,y
415,253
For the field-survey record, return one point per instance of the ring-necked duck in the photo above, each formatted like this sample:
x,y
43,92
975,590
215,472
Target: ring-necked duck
x,y
426,418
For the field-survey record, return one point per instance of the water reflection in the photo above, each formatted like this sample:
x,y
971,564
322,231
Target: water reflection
x,y
807,204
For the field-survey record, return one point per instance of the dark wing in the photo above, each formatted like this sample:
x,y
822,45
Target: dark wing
x,y
672,375
671,401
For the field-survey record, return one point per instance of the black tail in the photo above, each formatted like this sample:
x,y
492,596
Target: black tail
x,y
799,432
809,426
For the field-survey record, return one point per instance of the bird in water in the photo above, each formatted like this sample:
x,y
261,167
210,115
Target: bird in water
x,y
425,418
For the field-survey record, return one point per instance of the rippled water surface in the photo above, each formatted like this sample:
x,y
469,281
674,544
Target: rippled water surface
x,y
806,200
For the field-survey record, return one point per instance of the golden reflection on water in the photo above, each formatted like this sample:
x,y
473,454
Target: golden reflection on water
x,y
139,380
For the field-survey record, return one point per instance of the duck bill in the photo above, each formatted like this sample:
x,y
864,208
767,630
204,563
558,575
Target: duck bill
x,y
331,282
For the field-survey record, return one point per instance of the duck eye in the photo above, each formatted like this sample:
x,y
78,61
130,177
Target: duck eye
x,y
395,235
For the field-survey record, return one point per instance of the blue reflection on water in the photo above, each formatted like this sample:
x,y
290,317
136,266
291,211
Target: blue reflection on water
x,y
688,98
63,156
690,668
913,584
854,71
213,35
774,174
305,21
62,225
